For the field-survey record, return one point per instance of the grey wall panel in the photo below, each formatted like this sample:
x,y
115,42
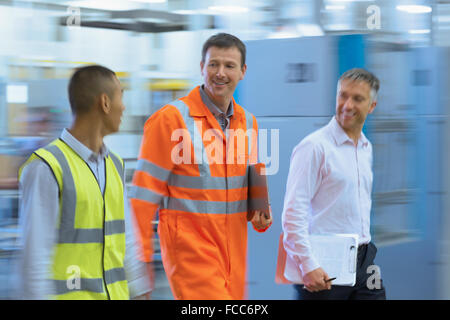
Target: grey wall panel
x,y
295,77
410,270
432,147
394,69
430,77
48,92
407,131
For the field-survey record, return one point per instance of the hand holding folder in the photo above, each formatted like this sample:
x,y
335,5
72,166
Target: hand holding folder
x,y
258,194
336,254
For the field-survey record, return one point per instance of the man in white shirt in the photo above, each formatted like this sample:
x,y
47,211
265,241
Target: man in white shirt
x,y
329,191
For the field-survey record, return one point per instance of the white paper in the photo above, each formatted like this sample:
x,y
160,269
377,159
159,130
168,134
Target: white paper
x,y
336,254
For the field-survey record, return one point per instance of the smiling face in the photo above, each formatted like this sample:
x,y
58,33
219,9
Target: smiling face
x,y
221,71
353,104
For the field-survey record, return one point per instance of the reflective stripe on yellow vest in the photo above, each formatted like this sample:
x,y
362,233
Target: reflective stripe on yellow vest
x,y
89,255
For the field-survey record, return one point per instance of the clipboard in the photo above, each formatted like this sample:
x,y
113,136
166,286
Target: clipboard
x,y
258,191
336,253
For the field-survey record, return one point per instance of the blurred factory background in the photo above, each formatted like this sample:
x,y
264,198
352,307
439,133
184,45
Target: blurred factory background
x,y
296,51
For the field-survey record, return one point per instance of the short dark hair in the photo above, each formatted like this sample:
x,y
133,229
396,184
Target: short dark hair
x,y
359,74
224,40
86,84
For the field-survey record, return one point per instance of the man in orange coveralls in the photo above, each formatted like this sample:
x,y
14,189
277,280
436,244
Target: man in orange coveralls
x,y
193,166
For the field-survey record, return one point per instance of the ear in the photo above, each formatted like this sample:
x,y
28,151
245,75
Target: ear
x,y
243,70
105,103
372,106
202,64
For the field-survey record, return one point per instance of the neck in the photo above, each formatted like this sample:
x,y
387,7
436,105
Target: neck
x,y
88,132
354,135
222,103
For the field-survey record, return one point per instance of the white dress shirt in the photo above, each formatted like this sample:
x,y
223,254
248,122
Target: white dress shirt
x,y
38,217
328,191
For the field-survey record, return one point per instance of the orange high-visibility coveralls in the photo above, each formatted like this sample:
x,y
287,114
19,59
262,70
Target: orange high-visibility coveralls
x,y
183,170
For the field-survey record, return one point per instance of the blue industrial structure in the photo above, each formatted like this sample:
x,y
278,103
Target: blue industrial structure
x,y
290,86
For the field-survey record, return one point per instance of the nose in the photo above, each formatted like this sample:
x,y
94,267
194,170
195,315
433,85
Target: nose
x,y
220,72
348,104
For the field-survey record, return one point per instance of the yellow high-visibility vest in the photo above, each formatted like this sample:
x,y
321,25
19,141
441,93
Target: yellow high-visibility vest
x,y
88,258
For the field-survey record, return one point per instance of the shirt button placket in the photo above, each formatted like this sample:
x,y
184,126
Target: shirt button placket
x,y
359,190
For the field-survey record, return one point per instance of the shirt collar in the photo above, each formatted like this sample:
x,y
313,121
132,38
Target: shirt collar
x,y
215,110
340,136
84,152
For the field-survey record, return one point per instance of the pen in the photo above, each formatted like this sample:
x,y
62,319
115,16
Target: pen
x,y
331,279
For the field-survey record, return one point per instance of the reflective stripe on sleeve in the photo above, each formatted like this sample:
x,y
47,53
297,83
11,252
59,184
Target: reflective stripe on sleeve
x,y
152,169
145,194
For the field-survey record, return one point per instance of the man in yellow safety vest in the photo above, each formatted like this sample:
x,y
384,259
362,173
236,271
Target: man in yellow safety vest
x,y
77,235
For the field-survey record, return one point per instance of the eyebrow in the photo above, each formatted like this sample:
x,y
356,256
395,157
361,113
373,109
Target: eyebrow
x,y
356,95
225,61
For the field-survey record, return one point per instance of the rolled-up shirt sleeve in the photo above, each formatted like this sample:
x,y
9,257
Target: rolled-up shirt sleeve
x,y
304,178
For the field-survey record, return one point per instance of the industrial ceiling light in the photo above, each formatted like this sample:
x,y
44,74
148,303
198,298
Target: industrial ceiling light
x,y
185,11
332,7
350,0
283,35
414,8
150,1
419,31
113,5
228,9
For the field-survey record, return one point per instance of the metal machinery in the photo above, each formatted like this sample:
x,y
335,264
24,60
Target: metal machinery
x,y
410,150
290,86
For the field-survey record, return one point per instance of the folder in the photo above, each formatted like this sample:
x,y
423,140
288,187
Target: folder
x,y
258,192
336,254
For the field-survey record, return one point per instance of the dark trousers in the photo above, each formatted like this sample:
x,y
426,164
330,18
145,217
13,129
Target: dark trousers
x,y
361,290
